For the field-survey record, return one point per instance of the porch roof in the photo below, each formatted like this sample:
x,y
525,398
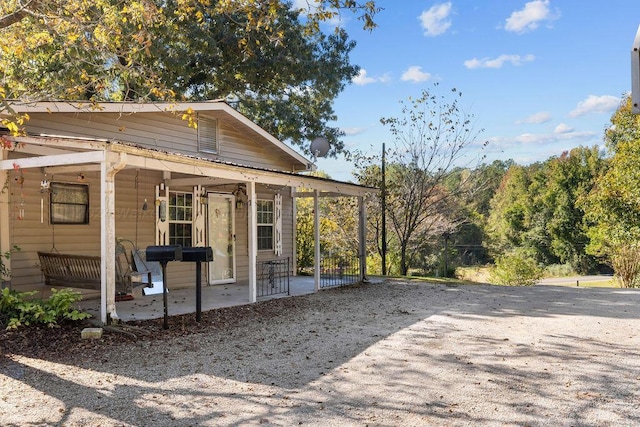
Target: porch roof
x,y
59,153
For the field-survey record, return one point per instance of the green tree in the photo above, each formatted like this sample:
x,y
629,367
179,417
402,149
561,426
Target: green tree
x,y
537,208
510,209
338,227
305,250
479,186
625,126
284,70
571,177
613,207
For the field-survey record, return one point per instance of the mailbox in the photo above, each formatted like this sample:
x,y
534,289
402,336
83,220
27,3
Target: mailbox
x,y
197,254
164,253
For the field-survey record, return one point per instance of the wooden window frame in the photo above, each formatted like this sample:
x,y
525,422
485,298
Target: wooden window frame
x,y
180,217
262,223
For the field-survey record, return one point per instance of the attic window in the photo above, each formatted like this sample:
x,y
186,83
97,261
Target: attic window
x,y
207,135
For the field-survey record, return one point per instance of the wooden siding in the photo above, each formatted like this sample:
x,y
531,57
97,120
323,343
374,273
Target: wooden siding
x,y
165,132
132,223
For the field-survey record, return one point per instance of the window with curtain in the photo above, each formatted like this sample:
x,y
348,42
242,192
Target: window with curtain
x,y
69,203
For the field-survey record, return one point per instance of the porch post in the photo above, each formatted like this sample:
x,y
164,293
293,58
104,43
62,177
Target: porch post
x,y
253,239
362,238
316,239
108,239
5,243
294,243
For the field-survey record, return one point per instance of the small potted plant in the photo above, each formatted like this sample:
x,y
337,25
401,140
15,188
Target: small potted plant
x,y
5,271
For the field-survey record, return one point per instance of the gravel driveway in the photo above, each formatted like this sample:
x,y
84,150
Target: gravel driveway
x,y
397,353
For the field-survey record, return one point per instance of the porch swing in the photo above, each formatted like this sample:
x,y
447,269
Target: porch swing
x,y
84,271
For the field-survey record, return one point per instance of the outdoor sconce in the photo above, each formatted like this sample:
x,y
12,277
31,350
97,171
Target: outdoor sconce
x,y
240,195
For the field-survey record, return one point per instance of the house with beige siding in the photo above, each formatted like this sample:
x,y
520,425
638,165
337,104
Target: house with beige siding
x,y
87,180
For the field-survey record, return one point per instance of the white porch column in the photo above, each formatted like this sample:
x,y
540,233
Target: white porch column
x,y
362,238
108,172
294,243
5,243
252,218
316,239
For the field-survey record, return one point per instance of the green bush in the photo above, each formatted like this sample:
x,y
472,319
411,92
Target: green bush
x,y
560,270
516,268
19,309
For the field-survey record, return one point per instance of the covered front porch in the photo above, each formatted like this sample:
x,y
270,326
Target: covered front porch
x,y
121,180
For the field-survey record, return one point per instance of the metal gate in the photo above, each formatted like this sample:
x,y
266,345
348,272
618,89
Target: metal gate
x,y
339,271
273,277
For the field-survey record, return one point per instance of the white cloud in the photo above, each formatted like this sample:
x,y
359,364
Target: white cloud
x,y
563,128
544,139
537,118
415,74
529,18
596,104
353,131
385,78
363,79
435,20
498,62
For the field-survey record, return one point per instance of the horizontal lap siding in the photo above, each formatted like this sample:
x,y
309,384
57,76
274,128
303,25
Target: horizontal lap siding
x,y
31,234
162,131
158,131
236,147
132,223
154,130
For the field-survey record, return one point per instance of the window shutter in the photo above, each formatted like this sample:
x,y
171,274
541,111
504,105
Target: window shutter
x,y
277,211
162,227
207,135
199,210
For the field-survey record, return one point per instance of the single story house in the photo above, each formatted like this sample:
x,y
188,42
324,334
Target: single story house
x,y
87,179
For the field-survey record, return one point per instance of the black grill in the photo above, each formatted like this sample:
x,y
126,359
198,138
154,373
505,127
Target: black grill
x,y
164,253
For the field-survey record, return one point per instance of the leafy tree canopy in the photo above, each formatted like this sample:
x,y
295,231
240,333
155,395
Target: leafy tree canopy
x,y
284,71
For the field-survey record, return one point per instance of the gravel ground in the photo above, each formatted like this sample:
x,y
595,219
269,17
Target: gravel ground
x,y
397,353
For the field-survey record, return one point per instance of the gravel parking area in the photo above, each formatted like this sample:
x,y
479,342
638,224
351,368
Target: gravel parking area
x,y
398,353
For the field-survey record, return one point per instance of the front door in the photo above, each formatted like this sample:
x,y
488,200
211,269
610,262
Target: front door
x,y
221,236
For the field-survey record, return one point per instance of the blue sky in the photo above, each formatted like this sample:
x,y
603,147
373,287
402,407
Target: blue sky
x,y
540,77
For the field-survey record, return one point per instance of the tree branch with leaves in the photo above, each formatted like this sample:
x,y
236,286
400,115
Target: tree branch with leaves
x,y
285,70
